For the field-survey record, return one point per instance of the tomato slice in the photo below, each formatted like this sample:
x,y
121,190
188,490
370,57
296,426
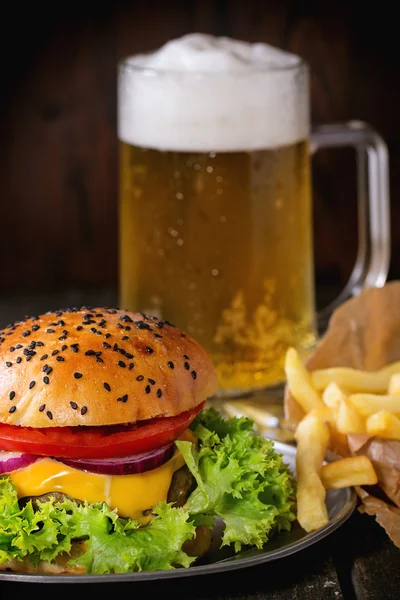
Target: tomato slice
x,y
96,442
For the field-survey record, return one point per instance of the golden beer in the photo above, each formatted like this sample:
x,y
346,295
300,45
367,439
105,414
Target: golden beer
x,y
218,239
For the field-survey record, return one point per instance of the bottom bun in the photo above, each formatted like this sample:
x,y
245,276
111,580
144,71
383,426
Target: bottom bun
x,y
198,546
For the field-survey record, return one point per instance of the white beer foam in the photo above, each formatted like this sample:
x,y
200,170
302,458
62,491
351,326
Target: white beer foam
x,y
202,93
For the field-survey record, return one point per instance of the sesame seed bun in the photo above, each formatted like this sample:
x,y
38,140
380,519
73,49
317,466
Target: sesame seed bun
x,y
99,366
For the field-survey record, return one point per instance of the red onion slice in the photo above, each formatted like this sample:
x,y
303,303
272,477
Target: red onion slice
x,y
124,465
11,461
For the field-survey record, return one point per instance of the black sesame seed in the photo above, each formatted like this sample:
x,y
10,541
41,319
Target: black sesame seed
x,y
46,380
26,333
131,365
107,335
170,364
147,389
159,393
121,363
55,352
128,355
18,360
65,332
77,375
128,328
83,410
79,328
139,378
60,358
42,407
8,363
115,347
121,351
124,338
74,405
93,329
62,338
97,353
151,381
49,330
107,386
64,347
99,360
143,325
44,357
12,348
32,384
11,395
186,365
35,327
44,368
149,350
61,323
40,344
120,326
186,356
18,346
12,409
183,335
106,345
32,345
89,352
157,335
49,414
74,347
194,374
124,398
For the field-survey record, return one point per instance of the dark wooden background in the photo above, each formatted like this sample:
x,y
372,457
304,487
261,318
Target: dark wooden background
x,y
58,151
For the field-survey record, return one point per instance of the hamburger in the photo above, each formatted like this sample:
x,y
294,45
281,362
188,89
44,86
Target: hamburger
x,y
111,459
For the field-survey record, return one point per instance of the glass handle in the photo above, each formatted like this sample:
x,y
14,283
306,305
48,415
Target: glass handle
x,y
373,204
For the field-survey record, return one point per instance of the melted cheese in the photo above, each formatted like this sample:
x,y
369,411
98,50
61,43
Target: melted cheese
x,y
131,495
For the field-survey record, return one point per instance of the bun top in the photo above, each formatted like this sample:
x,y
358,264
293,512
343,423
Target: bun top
x,y
99,366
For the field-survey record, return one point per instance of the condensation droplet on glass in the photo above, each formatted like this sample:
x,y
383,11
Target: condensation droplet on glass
x,y
278,203
190,329
215,272
223,219
197,167
209,169
220,191
179,242
179,195
179,221
197,316
219,178
172,232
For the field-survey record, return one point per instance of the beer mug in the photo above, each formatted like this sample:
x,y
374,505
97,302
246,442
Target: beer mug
x,y
215,216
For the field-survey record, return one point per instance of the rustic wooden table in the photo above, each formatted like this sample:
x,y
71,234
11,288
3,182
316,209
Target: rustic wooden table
x,y
356,562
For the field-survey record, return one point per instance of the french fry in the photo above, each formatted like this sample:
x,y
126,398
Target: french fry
x,y
355,380
348,419
384,424
394,385
347,472
368,404
312,436
333,396
299,382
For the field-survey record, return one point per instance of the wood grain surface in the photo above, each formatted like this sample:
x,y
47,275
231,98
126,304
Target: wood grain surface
x,y
58,156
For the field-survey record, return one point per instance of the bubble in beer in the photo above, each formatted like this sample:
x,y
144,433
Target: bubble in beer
x,y
215,272
179,242
179,195
209,169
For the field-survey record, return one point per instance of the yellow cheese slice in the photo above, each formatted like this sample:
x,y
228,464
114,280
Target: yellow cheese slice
x,y
131,495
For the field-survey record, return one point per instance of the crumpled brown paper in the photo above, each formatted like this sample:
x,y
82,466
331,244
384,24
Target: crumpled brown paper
x,y
364,333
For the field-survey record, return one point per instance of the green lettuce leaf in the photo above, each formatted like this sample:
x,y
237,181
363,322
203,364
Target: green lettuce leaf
x,y
240,478
113,544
